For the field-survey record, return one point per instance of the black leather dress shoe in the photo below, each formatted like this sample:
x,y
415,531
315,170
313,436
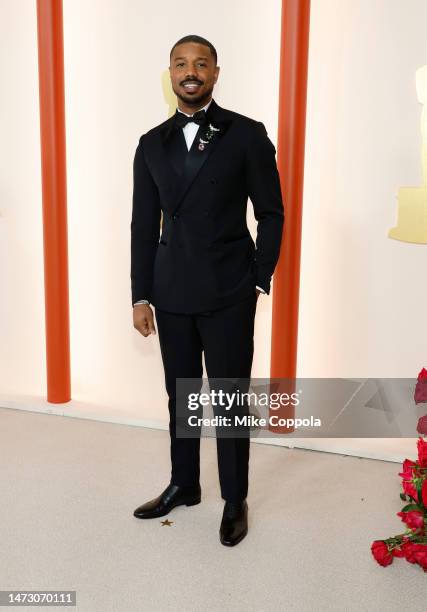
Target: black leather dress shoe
x,y
234,524
172,496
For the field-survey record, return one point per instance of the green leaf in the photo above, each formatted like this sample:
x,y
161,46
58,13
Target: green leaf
x,y
403,497
419,485
411,507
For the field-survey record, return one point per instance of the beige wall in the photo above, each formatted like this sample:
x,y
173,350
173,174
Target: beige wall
x,y
22,352
362,294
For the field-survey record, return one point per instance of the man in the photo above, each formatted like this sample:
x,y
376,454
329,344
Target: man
x,y
204,275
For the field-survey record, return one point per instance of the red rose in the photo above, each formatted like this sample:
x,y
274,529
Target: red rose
x,y
422,452
420,395
407,551
420,555
408,466
416,553
397,552
381,553
413,519
422,425
424,493
408,473
409,489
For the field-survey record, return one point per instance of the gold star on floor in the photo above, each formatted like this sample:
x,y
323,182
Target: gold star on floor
x,y
167,523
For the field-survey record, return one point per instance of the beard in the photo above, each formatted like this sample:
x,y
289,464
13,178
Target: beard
x,y
191,99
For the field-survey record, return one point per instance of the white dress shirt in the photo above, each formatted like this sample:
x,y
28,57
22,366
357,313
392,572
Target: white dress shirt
x,y
190,130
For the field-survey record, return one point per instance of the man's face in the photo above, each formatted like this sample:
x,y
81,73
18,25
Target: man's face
x,y
193,73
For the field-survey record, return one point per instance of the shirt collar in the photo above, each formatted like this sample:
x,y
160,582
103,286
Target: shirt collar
x,y
203,108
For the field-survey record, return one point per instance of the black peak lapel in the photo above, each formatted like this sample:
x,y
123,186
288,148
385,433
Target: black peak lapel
x,y
205,142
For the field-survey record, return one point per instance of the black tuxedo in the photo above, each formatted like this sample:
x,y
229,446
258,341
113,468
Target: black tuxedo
x,y
206,258
201,275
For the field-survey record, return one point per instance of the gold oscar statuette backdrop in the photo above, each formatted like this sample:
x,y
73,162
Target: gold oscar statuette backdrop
x,y
412,201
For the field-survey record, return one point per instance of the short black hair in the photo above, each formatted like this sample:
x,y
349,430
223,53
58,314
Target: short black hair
x,y
196,39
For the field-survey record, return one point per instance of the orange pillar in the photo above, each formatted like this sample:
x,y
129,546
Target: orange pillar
x,y
54,193
290,161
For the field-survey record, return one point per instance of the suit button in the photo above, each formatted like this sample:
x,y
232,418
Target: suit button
x,y
175,216
213,181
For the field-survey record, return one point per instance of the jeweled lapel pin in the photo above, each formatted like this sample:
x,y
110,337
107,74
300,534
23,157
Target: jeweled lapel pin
x,y
209,135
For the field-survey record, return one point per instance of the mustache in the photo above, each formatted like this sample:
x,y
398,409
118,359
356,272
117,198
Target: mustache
x,y
191,81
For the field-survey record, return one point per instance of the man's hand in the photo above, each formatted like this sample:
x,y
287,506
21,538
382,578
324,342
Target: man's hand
x,y
143,319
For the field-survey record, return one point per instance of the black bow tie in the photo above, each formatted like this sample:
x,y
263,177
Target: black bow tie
x,y
181,120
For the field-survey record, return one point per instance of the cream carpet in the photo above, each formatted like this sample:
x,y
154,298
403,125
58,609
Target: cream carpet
x,y
68,488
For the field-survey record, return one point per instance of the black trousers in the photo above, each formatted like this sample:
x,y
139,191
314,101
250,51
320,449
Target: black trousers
x,y
226,336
